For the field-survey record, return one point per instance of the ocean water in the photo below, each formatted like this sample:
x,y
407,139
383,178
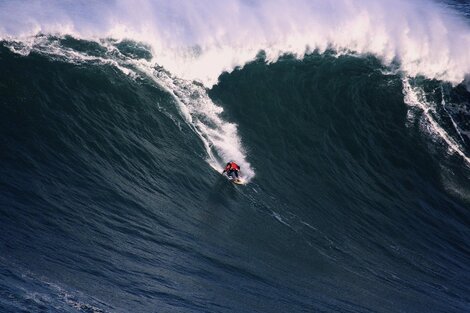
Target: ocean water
x,y
350,120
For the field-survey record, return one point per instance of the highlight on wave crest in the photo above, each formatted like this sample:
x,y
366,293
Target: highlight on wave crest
x,y
200,40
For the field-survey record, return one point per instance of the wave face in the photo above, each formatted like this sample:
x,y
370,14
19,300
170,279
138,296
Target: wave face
x,y
357,169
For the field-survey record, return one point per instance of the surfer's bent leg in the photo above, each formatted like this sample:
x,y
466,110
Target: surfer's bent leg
x,y
232,174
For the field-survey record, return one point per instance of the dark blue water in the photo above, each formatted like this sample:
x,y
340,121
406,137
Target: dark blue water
x,y
108,201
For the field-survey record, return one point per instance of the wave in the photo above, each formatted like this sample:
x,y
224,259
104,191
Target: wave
x,y
105,182
358,165
420,38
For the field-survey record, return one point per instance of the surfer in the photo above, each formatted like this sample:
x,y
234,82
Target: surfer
x,y
231,169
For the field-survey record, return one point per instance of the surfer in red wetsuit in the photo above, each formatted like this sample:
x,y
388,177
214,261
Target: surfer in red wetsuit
x,y
231,168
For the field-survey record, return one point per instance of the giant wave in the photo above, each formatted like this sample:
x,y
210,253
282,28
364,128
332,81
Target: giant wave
x,y
350,121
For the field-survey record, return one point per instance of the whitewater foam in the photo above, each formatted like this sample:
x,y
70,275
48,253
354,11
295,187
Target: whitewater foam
x,y
200,40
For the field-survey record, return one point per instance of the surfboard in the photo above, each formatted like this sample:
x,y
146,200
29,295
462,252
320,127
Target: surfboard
x,y
237,181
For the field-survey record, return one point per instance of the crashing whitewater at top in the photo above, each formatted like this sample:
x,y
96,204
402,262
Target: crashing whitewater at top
x,y
199,40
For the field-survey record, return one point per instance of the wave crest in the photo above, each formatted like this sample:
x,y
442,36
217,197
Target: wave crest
x,y
200,40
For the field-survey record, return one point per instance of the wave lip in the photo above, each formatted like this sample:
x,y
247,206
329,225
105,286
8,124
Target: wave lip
x,y
195,42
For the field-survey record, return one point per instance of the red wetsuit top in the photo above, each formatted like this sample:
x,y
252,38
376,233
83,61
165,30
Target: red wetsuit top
x,y
232,166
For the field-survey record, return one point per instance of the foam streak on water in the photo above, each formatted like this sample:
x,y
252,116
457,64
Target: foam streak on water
x,y
414,97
